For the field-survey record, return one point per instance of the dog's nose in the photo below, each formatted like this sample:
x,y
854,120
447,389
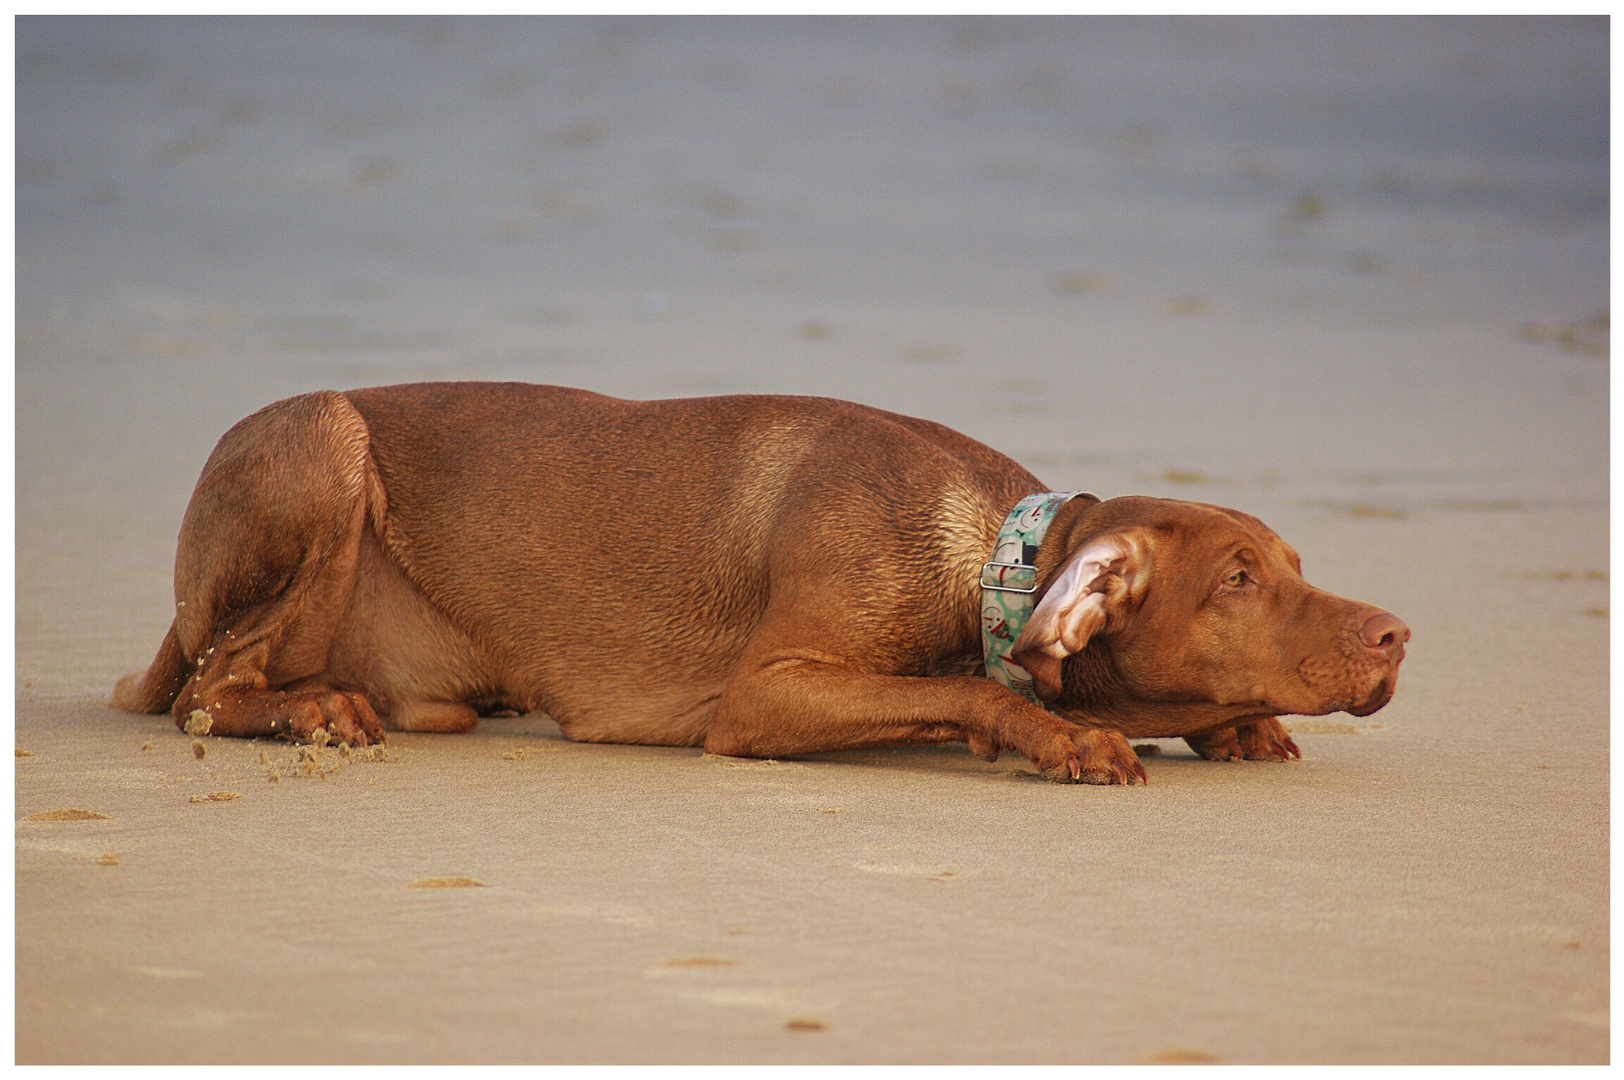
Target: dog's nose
x,y
1385,631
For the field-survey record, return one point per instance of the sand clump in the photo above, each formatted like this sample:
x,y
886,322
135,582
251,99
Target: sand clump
x,y
215,796
698,962
805,1023
1177,1055
1321,727
313,762
1368,510
1590,337
69,814
319,762
445,883
1079,281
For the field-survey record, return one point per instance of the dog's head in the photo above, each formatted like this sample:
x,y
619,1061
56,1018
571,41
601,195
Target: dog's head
x,y
1161,603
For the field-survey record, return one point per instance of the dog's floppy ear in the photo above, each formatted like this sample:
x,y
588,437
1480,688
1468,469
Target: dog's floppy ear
x,y
1094,580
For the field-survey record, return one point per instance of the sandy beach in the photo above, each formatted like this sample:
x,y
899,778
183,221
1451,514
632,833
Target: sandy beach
x,y
1348,276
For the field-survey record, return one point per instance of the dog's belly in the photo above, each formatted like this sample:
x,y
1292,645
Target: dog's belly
x,y
397,647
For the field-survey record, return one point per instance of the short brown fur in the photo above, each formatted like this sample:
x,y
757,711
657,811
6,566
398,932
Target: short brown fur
x,y
762,576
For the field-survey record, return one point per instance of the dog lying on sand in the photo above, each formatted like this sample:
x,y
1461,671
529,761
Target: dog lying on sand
x,y
762,576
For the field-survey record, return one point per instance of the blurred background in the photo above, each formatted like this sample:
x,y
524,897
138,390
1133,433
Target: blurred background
x,y
1339,266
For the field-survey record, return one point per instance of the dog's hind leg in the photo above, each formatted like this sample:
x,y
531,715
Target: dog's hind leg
x,y
265,565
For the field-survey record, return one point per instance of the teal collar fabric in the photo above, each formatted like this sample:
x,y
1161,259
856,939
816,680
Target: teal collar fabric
x,y
1008,583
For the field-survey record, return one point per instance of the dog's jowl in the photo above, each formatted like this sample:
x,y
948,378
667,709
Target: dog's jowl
x,y
761,576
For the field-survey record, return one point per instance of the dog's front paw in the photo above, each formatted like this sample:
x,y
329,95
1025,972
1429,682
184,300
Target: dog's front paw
x,y
1266,740
1261,740
1091,756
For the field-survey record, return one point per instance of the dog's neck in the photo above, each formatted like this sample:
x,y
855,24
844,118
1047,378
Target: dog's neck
x,y
1010,583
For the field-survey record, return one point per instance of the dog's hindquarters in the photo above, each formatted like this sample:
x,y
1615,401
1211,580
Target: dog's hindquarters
x,y
264,568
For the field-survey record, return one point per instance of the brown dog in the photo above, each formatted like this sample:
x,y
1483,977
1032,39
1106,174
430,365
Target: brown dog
x,y
763,576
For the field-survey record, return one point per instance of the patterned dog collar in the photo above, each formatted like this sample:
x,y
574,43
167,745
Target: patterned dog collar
x,y
1008,583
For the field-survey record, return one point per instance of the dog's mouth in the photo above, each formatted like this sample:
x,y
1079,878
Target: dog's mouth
x,y
1379,697
1355,685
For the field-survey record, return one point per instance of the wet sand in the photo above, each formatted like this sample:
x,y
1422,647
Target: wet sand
x,y
1349,277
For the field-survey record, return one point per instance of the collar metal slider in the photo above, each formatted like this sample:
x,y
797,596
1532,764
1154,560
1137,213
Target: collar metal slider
x,y
1009,577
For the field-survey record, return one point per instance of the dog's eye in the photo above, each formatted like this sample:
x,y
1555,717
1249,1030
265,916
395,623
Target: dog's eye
x,y
1237,579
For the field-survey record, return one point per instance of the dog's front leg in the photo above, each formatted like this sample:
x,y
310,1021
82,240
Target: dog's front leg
x,y
793,704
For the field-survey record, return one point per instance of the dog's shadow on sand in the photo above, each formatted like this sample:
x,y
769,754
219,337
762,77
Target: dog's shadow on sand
x,y
947,759
955,758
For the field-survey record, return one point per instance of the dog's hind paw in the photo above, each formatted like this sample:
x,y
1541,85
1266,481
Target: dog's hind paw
x,y
311,715
334,716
